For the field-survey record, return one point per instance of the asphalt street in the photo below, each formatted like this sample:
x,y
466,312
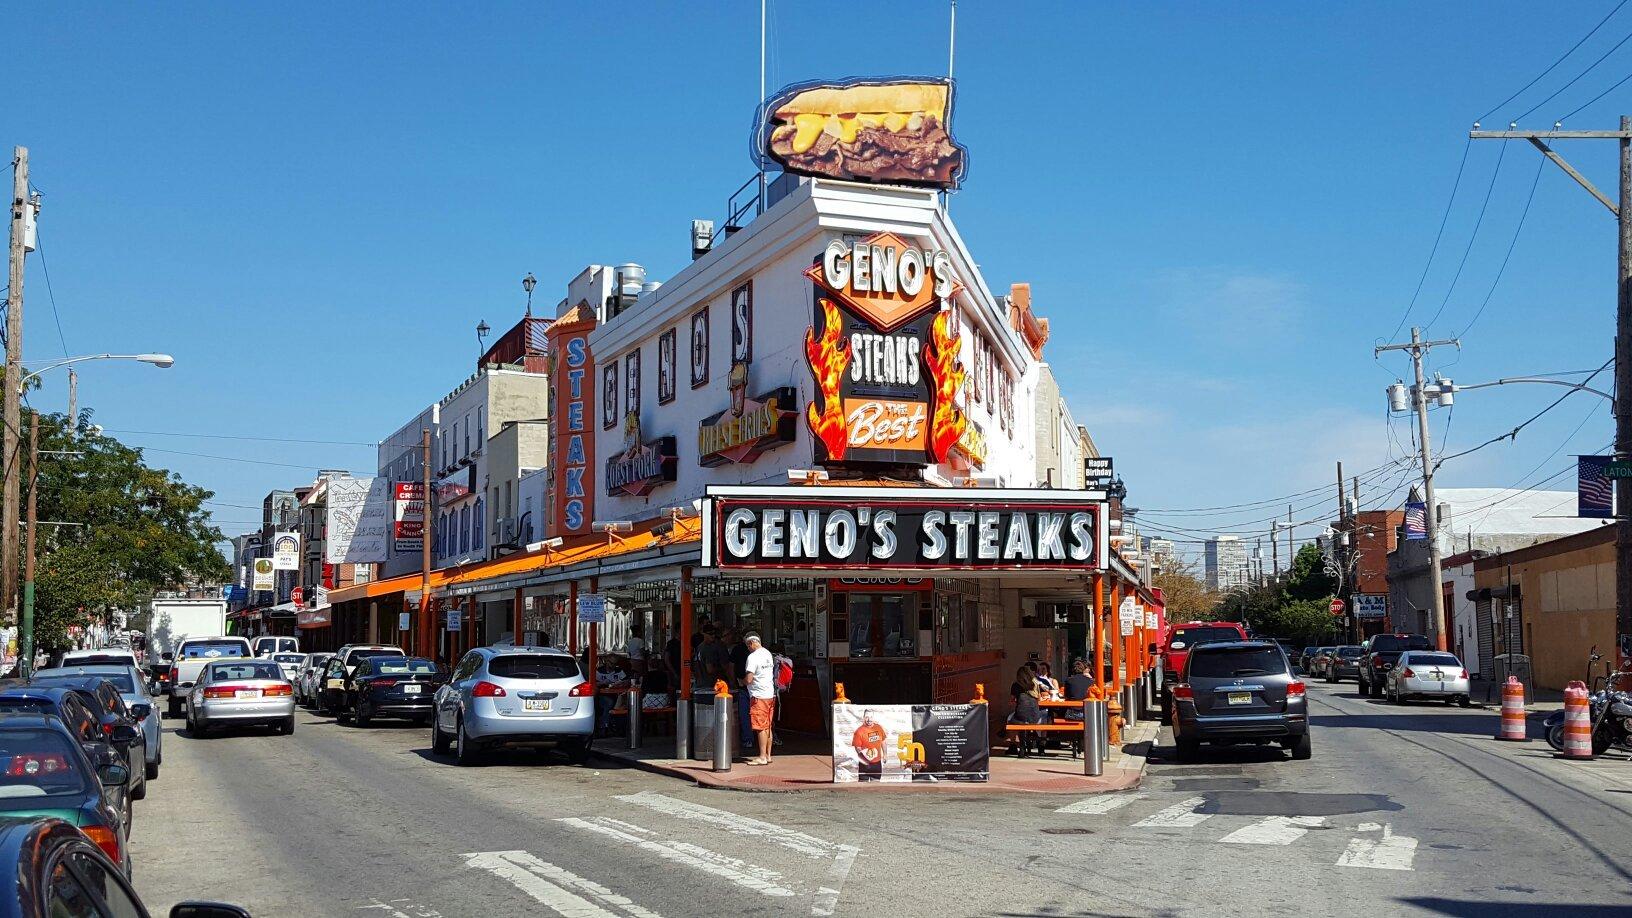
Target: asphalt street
x,y
1402,811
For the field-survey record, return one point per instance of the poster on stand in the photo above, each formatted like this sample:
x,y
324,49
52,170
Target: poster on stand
x,y
900,743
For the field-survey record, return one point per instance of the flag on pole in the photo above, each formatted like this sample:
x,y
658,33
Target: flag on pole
x,y
1594,492
1416,520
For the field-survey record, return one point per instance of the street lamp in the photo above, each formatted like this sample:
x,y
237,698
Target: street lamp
x,y
481,334
25,625
527,284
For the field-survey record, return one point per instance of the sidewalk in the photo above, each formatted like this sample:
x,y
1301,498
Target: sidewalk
x,y
800,767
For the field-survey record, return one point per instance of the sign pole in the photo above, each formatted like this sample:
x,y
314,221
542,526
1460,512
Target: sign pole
x,y
423,631
682,705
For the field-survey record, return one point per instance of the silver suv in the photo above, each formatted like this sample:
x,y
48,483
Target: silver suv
x,y
514,696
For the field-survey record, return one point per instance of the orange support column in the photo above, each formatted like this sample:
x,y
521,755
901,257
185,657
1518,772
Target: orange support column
x,y
1097,605
1116,639
515,629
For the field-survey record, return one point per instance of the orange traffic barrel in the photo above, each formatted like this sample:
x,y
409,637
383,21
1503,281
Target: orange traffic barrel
x,y
1577,722
1513,729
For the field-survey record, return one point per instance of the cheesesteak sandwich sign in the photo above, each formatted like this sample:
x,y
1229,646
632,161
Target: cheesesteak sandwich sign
x,y
901,529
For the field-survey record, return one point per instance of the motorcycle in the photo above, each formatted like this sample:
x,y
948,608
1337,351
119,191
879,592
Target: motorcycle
x,y
1610,710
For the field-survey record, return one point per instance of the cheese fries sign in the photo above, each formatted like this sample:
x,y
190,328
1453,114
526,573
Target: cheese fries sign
x,y
883,354
865,130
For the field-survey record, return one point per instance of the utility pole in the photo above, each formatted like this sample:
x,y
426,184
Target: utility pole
x,y
12,441
1290,553
1340,553
1623,341
423,629
1274,549
73,400
1419,399
25,629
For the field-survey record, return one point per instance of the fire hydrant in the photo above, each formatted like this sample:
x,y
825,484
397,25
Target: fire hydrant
x,y
1113,720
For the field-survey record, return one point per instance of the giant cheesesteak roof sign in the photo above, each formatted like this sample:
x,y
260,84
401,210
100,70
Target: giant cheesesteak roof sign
x,y
901,529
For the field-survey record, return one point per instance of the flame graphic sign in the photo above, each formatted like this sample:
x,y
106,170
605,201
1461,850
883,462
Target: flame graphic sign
x,y
829,354
946,372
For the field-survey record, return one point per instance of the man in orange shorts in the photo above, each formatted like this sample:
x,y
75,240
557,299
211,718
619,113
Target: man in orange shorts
x,y
760,677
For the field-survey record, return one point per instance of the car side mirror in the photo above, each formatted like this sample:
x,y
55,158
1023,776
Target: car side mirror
x,y
207,910
113,774
141,710
125,734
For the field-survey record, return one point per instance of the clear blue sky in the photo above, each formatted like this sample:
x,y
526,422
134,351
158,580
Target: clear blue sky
x,y
1221,208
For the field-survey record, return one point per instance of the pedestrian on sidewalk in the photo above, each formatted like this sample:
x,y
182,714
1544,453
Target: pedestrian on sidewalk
x,y
760,678
739,684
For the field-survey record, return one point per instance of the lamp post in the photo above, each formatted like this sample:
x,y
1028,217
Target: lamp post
x,y
25,624
527,284
482,329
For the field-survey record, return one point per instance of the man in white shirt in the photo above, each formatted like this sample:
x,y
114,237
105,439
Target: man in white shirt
x,y
760,677
635,647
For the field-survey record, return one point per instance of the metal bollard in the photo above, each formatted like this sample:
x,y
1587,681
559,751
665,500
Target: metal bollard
x,y
724,736
682,728
1150,694
1130,706
1093,737
634,717
1105,728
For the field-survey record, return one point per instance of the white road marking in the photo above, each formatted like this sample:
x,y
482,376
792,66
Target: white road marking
x,y
1181,815
681,853
391,911
1386,852
1274,830
1101,803
844,856
554,887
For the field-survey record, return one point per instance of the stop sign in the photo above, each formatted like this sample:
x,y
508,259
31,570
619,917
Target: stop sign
x,y
1337,607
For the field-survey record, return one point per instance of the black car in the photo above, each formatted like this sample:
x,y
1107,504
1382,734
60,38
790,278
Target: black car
x,y
50,868
104,743
107,701
1378,655
44,773
1239,691
402,687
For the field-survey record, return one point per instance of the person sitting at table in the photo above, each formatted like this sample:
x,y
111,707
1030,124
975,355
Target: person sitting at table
x,y
1045,680
1076,687
1026,711
654,690
610,680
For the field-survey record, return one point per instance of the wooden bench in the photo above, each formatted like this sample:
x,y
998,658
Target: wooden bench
x,y
1068,727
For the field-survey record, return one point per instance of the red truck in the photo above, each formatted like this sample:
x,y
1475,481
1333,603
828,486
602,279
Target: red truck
x,y
1181,636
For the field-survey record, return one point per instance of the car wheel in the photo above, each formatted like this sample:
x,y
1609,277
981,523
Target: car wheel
x,y
1300,748
1188,749
578,752
172,708
465,752
363,716
152,770
288,726
439,740
1463,701
139,792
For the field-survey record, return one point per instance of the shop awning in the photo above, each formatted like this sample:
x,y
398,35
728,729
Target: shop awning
x,y
377,588
659,542
314,618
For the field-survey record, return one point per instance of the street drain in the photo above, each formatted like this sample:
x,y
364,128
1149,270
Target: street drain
x,y
1068,830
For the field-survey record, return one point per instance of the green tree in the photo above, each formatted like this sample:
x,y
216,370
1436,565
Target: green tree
x,y
137,530
1187,596
1298,607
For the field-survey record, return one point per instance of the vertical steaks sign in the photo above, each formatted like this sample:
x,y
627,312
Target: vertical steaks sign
x,y
901,529
571,446
884,354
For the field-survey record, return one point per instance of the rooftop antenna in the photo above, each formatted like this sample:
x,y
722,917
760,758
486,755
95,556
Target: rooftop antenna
x,y
951,53
759,159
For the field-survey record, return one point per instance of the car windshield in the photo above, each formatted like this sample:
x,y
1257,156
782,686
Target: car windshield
x,y
1188,637
206,650
1348,653
372,652
225,671
533,666
1394,643
1434,659
391,667
86,659
288,658
37,763
1231,662
121,681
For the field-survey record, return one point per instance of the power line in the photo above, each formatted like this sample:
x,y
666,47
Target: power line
x,y
39,246
1554,64
287,465
1434,250
170,433
1256,504
1577,77
1597,97
1541,162
1472,238
1514,433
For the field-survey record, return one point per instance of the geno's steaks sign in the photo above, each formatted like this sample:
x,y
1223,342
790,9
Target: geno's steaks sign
x,y
901,529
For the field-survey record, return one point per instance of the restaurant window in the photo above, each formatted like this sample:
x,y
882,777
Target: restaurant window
x,y
881,624
478,525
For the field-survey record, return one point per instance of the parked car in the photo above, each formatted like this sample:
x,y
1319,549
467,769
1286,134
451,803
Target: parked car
x,y
1379,653
267,645
192,655
1239,691
334,693
238,693
1323,656
99,655
1427,674
290,663
45,773
402,687
1344,663
307,679
514,696
351,654
119,724
1305,659
50,867
128,681
75,711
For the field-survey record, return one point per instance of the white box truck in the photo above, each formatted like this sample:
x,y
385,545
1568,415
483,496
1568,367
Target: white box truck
x,y
170,621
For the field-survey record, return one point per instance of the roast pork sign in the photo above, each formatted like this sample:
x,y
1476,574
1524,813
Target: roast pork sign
x,y
906,529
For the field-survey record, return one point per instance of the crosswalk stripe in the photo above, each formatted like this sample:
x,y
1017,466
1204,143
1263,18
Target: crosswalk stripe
x,y
737,824
1386,852
555,887
1180,815
1101,803
682,853
1274,830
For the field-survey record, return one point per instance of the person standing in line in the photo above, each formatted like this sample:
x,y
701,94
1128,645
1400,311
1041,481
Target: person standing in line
x,y
761,680
635,647
739,684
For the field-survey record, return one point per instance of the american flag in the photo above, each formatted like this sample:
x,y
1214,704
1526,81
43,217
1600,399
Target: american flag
x,y
1416,520
1594,492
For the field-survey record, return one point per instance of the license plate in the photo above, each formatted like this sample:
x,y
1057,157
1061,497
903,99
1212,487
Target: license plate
x,y
247,693
535,704
411,689
1240,698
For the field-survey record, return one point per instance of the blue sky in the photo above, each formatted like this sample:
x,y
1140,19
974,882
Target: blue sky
x,y
1220,208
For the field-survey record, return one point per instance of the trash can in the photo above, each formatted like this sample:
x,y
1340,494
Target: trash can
x,y
702,727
